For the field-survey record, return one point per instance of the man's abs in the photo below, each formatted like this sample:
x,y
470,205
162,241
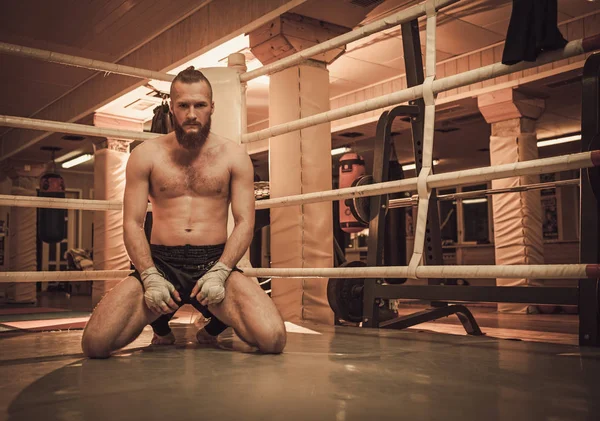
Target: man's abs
x,y
185,220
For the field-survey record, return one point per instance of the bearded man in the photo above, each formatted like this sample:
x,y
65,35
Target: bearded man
x,y
190,176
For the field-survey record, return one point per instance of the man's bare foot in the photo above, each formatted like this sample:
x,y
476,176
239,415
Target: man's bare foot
x,y
204,338
168,339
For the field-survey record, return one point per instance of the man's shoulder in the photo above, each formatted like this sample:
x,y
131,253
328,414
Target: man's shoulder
x,y
152,145
146,152
237,151
231,147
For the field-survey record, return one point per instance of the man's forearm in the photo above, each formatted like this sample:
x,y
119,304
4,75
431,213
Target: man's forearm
x,y
137,247
237,244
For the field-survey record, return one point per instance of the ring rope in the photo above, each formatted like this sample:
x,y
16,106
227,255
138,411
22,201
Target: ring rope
x,y
569,271
572,49
423,190
449,179
395,19
412,201
73,128
398,18
86,63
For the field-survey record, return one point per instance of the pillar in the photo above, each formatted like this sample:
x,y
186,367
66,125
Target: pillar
x,y
110,161
22,234
299,162
518,234
5,188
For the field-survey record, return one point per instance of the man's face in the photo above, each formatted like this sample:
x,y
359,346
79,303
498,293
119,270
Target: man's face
x,y
192,108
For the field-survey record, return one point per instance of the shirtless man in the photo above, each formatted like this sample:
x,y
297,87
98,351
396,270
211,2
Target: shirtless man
x,y
191,176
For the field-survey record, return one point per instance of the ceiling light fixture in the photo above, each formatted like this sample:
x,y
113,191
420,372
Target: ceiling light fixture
x,y
76,161
558,140
473,201
339,151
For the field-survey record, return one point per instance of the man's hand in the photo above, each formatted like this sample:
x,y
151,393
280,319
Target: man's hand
x,y
210,289
158,291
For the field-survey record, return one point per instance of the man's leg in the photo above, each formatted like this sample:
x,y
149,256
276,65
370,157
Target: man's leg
x,y
117,320
251,313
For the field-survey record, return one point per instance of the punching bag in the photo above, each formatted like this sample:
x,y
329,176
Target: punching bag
x,y
352,166
52,223
161,122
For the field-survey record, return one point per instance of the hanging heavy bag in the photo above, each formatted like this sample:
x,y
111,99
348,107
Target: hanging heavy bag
x,y
161,122
52,223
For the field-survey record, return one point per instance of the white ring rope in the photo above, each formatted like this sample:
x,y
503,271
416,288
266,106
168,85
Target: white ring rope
x,y
73,128
570,271
395,19
86,63
423,190
398,18
454,178
62,276
414,200
572,49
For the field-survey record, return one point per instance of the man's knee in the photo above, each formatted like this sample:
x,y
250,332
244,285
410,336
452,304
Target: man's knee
x,y
273,340
94,346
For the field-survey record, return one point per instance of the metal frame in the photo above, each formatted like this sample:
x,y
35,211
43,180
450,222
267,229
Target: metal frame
x,y
589,225
586,295
378,205
433,241
414,76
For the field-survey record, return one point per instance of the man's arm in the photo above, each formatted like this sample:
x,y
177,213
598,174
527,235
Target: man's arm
x,y
210,288
242,208
135,204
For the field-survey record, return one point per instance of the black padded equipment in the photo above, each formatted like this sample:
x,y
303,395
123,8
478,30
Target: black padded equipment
x,y
52,223
360,206
533,29
345,296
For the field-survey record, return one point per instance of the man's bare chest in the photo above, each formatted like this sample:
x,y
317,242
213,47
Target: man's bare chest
x,y
199,179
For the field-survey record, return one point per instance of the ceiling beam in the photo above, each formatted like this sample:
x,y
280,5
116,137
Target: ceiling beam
x,y
199,32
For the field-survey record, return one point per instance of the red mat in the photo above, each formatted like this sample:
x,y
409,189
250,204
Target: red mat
x,y
46,325
7,311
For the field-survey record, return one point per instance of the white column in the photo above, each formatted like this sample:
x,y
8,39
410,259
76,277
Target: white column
x,y
109,184
518,234
22,235
300,162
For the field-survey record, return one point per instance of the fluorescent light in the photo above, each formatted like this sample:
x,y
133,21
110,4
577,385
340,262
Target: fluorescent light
x,y
76,161
338,151
409,167
68,155
473,201
558,140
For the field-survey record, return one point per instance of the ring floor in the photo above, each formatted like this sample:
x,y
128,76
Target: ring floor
x,y
326,373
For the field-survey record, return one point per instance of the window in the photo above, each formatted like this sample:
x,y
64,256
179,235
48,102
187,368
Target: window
x,y
448,220
549,209
475,216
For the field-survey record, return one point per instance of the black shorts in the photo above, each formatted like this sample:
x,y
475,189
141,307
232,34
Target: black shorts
x,y
183,266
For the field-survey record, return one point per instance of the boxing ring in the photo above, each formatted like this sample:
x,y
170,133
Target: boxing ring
x,y
354,373
424,183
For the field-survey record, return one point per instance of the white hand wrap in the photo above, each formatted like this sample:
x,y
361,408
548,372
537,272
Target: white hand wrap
x,y
157,290
212,284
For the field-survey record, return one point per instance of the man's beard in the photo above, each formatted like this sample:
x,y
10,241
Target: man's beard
x,y
192,140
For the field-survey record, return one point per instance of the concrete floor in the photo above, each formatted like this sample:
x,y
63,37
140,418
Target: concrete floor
x,y
342,373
